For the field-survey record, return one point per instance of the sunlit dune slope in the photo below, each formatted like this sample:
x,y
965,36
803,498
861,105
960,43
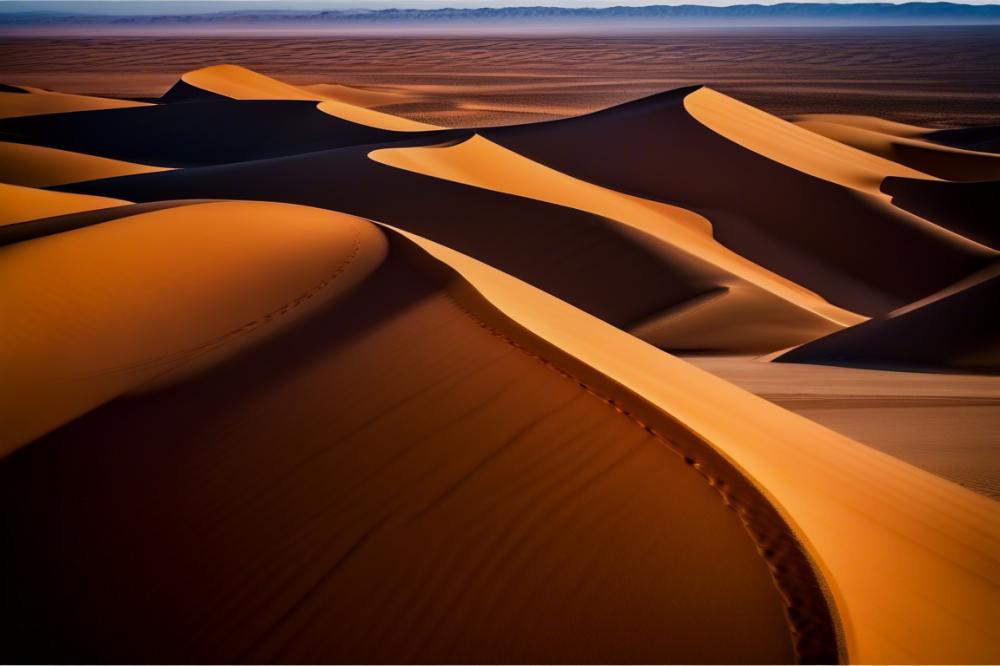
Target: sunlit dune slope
x,y
237,82
930,158
486,504
750,309
801,205
210,132
970,209
35,101
956,329
37,166
910,559
135,300
18,204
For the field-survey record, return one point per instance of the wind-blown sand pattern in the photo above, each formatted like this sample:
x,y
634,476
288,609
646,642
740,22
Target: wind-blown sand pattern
x,y
307,381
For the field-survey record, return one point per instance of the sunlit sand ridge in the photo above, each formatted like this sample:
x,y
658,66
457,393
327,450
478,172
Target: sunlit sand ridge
x,y
366,390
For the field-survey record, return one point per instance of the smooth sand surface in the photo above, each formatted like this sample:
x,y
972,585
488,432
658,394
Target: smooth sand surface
x,y
38,166
35,101
750,307
537,520
238,82
136,300
20,204
948,424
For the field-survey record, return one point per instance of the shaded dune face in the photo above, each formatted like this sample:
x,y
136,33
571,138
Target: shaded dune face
x,y
956,329
538,521
199,133
799,226
969,209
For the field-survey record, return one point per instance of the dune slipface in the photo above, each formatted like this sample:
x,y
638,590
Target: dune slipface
x,y
343,387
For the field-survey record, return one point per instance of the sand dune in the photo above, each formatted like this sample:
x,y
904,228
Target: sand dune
x,y
509,584
923,588
19,204
905,145
657,148
955,329
37,166
95,325
26,101
495,471
612,271
236,82
750,307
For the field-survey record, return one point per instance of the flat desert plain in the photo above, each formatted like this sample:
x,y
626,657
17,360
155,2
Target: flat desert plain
x,y
679,349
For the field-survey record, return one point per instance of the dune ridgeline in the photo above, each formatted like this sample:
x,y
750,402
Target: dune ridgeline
x,y
288,378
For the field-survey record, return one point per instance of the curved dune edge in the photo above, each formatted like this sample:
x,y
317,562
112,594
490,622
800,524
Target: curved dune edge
x,y
793,146
96,324
242,83
931,158
908,558
39,166
38,102
771,310
20,204
951,330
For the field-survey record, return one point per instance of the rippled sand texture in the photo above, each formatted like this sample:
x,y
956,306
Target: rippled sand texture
x,y
941,77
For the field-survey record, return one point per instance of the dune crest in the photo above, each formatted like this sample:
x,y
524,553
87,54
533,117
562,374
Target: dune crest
x,y
36,102
238,82
792,146
20,204
95,326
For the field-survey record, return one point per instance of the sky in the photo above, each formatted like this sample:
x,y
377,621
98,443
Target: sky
x,y
449,3
140,7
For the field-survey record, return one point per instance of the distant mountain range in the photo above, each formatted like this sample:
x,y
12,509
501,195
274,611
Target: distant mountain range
x,y
797,14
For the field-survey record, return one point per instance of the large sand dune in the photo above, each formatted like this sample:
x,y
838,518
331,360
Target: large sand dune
x,y
340,388
757,186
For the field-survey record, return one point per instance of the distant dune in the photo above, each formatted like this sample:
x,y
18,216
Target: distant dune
x,y
289,378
